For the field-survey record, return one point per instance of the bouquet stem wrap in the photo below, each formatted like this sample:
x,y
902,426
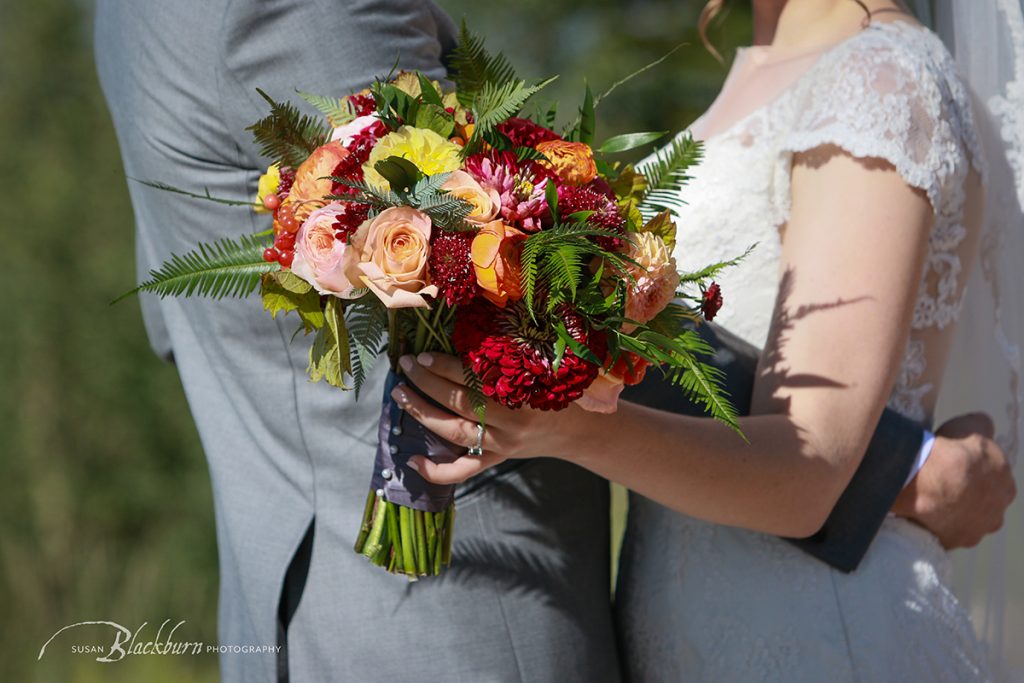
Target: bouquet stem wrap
x,y
407,522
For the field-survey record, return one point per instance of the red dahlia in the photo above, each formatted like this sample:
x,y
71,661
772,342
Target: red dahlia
x,y
605,214
451,267
513,356
526,133
712,301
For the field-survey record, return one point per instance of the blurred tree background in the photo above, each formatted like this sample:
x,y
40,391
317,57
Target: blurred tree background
x,y
105,506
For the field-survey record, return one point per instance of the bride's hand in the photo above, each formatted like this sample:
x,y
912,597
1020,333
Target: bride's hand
x,y
510,433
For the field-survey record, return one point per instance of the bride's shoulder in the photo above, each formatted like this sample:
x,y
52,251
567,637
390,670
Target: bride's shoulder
x,y
891,92
896,57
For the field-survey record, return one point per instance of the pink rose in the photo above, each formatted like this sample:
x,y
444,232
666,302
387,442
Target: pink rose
x,y
321,259
394,257
485,202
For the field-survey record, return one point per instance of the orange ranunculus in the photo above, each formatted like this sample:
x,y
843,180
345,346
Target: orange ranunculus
x,y
573,162
495,252
311,187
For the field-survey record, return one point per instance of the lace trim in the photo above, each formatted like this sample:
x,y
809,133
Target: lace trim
x,y
1009,109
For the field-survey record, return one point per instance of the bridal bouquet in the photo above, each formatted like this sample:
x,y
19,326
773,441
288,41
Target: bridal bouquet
x,y
413,218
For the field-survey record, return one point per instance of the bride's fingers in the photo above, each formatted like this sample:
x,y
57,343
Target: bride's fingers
x,y
454,472
447,393
454,428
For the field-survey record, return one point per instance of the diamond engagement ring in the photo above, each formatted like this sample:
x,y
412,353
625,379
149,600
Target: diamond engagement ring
x,y
477,449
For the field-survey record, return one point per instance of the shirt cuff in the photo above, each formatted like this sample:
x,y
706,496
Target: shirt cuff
x,y
922,456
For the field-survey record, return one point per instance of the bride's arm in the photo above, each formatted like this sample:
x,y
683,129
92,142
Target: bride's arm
x,y
852,259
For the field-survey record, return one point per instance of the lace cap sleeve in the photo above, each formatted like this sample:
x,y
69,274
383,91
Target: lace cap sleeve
x,y
887,95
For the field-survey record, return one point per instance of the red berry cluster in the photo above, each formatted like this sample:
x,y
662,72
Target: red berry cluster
x,y
283,251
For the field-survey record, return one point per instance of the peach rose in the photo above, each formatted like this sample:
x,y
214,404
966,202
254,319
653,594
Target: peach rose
x,y
655,274
485,203
321,259
394,249
311,186
495,253
573,162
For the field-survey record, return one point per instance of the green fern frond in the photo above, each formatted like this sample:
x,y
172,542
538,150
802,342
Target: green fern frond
x,y
475,388
367,322
496,102
471,67
287,135
702,384
556,256
711,271
157,185
666,174
337,109
225,268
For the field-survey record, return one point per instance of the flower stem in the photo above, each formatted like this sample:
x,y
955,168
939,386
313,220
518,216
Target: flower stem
x,y
409,544
446,554
421,543
374,542
395,536
364,530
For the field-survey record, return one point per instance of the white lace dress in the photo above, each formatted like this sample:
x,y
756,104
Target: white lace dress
x,y
702,602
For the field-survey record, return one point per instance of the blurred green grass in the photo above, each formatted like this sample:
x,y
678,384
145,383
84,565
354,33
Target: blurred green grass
x,y
105,507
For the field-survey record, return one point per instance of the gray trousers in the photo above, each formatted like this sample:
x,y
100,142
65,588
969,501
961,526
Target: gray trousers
x,y
527,596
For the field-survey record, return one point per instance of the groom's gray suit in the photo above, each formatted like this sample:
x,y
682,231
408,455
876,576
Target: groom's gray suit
x,y
527,596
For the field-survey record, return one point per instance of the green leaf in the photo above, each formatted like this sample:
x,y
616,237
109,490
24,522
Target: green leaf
x,y
400,173
663,226
329,355
286,135
428,93
560,347
551,195
435,118
628,141
337,109
283,291
588,121
579,349
226,268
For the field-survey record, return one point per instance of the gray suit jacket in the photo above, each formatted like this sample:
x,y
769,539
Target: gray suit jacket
x,y
527,596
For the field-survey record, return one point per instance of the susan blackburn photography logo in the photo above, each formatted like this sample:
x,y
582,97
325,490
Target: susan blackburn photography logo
x,y
123,642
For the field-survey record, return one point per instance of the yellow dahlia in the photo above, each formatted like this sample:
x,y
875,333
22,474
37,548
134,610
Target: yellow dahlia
x,y
431,153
